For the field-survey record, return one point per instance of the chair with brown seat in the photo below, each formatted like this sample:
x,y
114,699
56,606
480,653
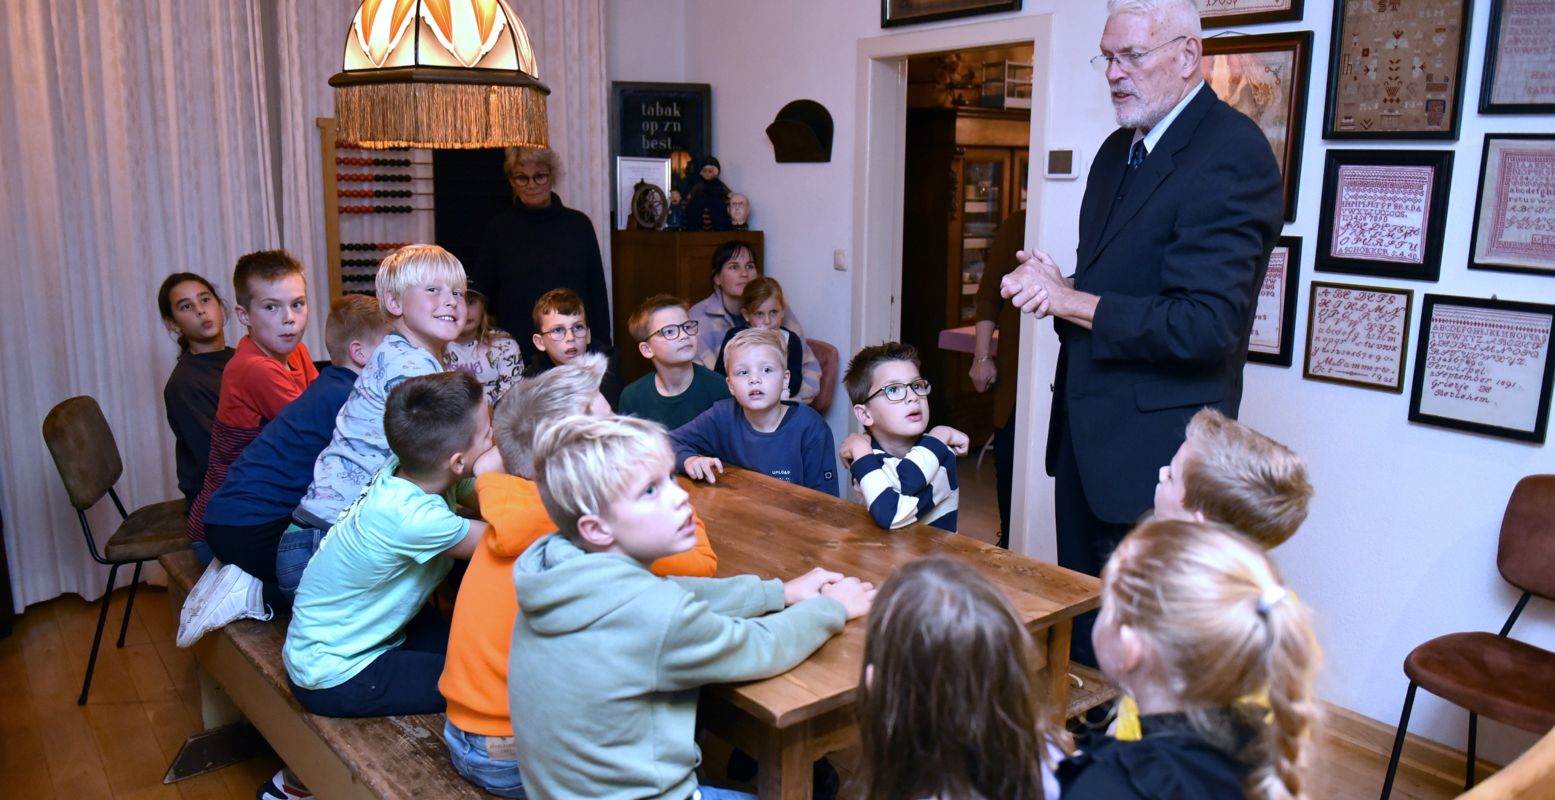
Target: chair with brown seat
x,y
87,458
826,353
1491,674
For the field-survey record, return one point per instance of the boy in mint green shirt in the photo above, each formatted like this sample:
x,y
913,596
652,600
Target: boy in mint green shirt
x,y
607,659
362,641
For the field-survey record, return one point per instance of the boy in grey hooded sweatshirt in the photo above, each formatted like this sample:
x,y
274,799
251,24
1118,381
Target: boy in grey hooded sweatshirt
x,y
607,659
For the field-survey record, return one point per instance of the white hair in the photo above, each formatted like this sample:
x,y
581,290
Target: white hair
x,y
1179,16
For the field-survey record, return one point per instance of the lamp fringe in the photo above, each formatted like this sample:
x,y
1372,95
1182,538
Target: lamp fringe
x,y
440,115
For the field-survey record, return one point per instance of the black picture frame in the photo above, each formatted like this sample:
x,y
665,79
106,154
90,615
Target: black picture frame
x,y
1470,386
1294,108
1362,315
1288,290
1360,61
1293,13
1337,167
913,12
1488,249
1497,68
640,113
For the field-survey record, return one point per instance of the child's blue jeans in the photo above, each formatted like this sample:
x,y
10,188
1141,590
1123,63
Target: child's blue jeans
x,y
292,554
472,757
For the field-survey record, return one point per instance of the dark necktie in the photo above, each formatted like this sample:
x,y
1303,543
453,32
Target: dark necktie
x,y
1136,156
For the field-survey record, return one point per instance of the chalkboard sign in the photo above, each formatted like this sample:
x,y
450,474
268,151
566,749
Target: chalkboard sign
x,y
656,119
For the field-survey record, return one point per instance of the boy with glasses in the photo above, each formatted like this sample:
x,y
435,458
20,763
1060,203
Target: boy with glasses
x,y
562,334
903,474
679,388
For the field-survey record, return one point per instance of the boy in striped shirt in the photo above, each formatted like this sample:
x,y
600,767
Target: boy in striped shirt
x,y
903,474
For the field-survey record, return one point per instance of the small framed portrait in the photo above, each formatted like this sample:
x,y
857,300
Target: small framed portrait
x,y
650,207
910,12
1484,366
631,171
1519,59
1357,335
1274,318
1514,215
1383,213
1230,13
1395,69
1265,77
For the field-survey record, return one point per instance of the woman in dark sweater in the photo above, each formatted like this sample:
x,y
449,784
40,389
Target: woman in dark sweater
x,y
538,245
195,314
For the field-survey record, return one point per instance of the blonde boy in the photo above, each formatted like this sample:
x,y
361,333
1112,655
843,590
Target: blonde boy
x,y
757,429
679,388
903,473
1229,473
421,289
649,643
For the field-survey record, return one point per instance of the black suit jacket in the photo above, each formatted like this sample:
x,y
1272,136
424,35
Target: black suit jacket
x,y
1177,262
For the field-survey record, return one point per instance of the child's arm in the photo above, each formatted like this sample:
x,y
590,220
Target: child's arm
x,y
896,493
465,547
701,646
695,438
698,562
818,451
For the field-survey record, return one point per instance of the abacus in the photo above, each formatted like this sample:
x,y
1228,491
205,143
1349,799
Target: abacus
x,y
379,200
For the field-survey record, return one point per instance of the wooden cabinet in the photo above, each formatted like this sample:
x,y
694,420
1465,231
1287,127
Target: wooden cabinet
x,y
967,171
645,263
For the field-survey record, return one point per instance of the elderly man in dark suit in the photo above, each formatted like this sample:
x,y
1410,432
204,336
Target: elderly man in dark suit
x,y
1181,209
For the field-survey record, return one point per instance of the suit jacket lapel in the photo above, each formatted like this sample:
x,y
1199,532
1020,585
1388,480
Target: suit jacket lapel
x,y
1108,173
1157,166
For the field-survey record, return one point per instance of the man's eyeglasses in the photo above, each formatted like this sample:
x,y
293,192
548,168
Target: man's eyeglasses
x,y
558,333
673,332
897,392
1128,62
520,179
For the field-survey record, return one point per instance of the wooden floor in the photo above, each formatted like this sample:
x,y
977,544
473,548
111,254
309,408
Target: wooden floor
x,y
145,701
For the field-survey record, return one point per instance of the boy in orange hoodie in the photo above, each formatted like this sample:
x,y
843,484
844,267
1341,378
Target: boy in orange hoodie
x,y
479,732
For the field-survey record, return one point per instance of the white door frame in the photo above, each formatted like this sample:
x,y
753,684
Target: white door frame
x,y
879,147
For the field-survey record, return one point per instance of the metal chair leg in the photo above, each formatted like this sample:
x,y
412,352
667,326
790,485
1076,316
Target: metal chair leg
x,y
134,584
102,618
1398,741
1468,782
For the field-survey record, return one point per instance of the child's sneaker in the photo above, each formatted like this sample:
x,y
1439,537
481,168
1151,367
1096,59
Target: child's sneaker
x,y
280,788
225,593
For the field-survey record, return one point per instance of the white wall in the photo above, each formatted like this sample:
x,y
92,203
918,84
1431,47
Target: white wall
x,y
1400,544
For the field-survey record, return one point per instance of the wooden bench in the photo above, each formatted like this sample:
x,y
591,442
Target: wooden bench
x,y
242,676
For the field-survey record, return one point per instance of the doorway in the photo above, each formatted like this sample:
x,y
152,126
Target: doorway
x,y
880,219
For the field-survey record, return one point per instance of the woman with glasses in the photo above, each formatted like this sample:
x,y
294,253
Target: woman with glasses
x,y
538,245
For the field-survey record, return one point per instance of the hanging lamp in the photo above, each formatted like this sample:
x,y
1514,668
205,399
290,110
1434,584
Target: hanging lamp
x,y
439,74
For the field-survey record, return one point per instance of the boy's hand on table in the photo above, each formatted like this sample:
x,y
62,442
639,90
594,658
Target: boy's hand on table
x,y
808,585
854,595
703,468
853,448
953,439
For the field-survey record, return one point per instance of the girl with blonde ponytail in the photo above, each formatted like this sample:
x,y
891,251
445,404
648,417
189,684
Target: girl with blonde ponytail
x,y
1194,620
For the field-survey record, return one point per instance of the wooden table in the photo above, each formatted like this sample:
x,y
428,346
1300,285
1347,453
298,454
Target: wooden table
x,y
766,527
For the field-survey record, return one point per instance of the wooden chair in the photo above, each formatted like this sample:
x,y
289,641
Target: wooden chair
x,y
1491,674
87,458
826,353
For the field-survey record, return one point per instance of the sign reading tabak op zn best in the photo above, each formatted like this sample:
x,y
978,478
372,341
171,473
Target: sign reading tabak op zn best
x,y
656,119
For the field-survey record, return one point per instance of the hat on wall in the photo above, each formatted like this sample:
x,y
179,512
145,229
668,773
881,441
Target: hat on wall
x,y
801,132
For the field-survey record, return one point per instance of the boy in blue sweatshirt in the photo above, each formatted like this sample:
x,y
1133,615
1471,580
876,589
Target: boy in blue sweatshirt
x,y
903,474
245,518
625,726
756,429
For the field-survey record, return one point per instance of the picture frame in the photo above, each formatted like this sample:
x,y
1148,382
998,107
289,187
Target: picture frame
x,y
912,12
659,120
1510,85
1358,335
1484,366
1396,73
1384,213
1514,212
630,170
1230,13
1275,96
1274,317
